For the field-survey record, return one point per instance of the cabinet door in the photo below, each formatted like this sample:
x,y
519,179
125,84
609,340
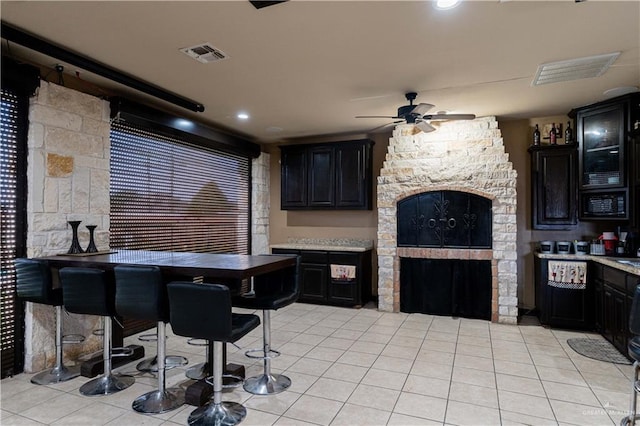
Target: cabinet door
x,y
293,178
352,187
554,191
321,177
601,132
313,282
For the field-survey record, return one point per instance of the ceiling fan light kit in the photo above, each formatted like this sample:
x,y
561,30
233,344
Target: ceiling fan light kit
x,y
417,114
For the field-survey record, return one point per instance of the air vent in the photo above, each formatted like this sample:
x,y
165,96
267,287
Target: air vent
x,y
574,69
204,53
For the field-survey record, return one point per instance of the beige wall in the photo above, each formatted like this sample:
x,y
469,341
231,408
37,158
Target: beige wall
x,y
517,135
356,224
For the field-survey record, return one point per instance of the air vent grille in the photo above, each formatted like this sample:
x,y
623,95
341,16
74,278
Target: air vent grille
x,y
204,53
574,69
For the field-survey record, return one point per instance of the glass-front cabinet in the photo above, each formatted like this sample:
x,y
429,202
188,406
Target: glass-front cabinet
x,y
605,157
603,147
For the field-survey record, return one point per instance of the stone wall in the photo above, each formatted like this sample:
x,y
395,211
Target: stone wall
x,y
68,179
260,204
466,156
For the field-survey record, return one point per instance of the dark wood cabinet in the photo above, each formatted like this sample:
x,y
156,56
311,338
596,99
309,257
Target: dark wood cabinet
x,y
293,180
554,190
322,177
562,307
327,176
606,158
634,190
612,310
318,286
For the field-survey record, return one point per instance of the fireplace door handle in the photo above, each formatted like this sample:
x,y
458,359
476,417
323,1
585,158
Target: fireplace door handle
x,y
452,222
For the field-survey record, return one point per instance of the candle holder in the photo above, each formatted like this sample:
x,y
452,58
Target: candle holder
x,y
75,244
91,248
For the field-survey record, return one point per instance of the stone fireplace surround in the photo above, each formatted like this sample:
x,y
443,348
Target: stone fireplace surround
x,y
467,156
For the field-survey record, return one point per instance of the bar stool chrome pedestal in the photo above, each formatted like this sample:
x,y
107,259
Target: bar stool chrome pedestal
x,y
34,284
633,349
88,291
204,311
270,292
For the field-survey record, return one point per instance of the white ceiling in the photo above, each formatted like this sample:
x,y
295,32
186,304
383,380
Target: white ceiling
x,y
309,67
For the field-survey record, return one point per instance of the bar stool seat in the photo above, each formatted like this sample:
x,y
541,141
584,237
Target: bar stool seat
x,y
203,311
34,284
141,294
88,291
270,292
633,349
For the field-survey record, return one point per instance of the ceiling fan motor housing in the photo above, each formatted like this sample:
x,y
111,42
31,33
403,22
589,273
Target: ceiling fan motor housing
x,y
405,112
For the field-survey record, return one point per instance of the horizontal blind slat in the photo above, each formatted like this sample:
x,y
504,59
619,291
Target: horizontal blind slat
x,y
169,195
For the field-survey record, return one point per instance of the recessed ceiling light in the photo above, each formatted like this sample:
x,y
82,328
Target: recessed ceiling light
x,y
445,4
619,91
242,116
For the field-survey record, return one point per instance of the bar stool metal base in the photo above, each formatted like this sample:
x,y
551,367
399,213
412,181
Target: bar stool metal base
x,y
158,402
56,375
150,365
225,413
198,371
629,421
267,384
106,385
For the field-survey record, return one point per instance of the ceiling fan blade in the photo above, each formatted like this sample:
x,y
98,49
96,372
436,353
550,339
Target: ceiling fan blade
x,y
449,117
376,116
384,125
421,109
425,127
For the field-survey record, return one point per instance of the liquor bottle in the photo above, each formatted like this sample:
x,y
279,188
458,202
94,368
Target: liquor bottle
x,y
552,134
568,134
536,136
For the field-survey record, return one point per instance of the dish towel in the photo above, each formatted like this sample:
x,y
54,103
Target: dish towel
x,y
571,275
343,272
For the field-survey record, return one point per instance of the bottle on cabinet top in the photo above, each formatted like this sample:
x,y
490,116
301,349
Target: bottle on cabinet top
x,y
552,134
536,136
568,134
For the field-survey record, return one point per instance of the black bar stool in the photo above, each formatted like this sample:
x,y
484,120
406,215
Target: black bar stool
x,y
270,292
141,294
633,349
203,311
34,284
88,291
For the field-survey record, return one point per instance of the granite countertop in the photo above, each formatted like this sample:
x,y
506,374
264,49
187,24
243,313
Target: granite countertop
x,y
611,261
325,244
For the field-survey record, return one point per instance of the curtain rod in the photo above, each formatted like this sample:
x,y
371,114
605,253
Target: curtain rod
x,y
20,37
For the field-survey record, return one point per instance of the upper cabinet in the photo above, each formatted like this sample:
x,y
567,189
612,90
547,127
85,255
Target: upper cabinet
x,y
554,190
606,157
327,176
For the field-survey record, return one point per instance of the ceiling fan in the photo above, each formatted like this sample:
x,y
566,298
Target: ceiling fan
x,y
417,114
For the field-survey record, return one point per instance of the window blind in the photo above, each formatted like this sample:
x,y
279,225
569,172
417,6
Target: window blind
x,y
11,214
167,194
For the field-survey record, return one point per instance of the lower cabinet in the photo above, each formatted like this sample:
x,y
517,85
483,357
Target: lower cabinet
x,y
317,285
562,307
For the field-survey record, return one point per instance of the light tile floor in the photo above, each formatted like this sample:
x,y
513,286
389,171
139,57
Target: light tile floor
x,y
364,367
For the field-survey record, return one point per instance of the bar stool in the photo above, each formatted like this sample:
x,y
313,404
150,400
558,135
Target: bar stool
x,y
88,291
271,292
203,311
141,294
633,349
34,284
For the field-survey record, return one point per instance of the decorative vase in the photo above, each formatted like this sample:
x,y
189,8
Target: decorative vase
x,y
91,248
75,244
